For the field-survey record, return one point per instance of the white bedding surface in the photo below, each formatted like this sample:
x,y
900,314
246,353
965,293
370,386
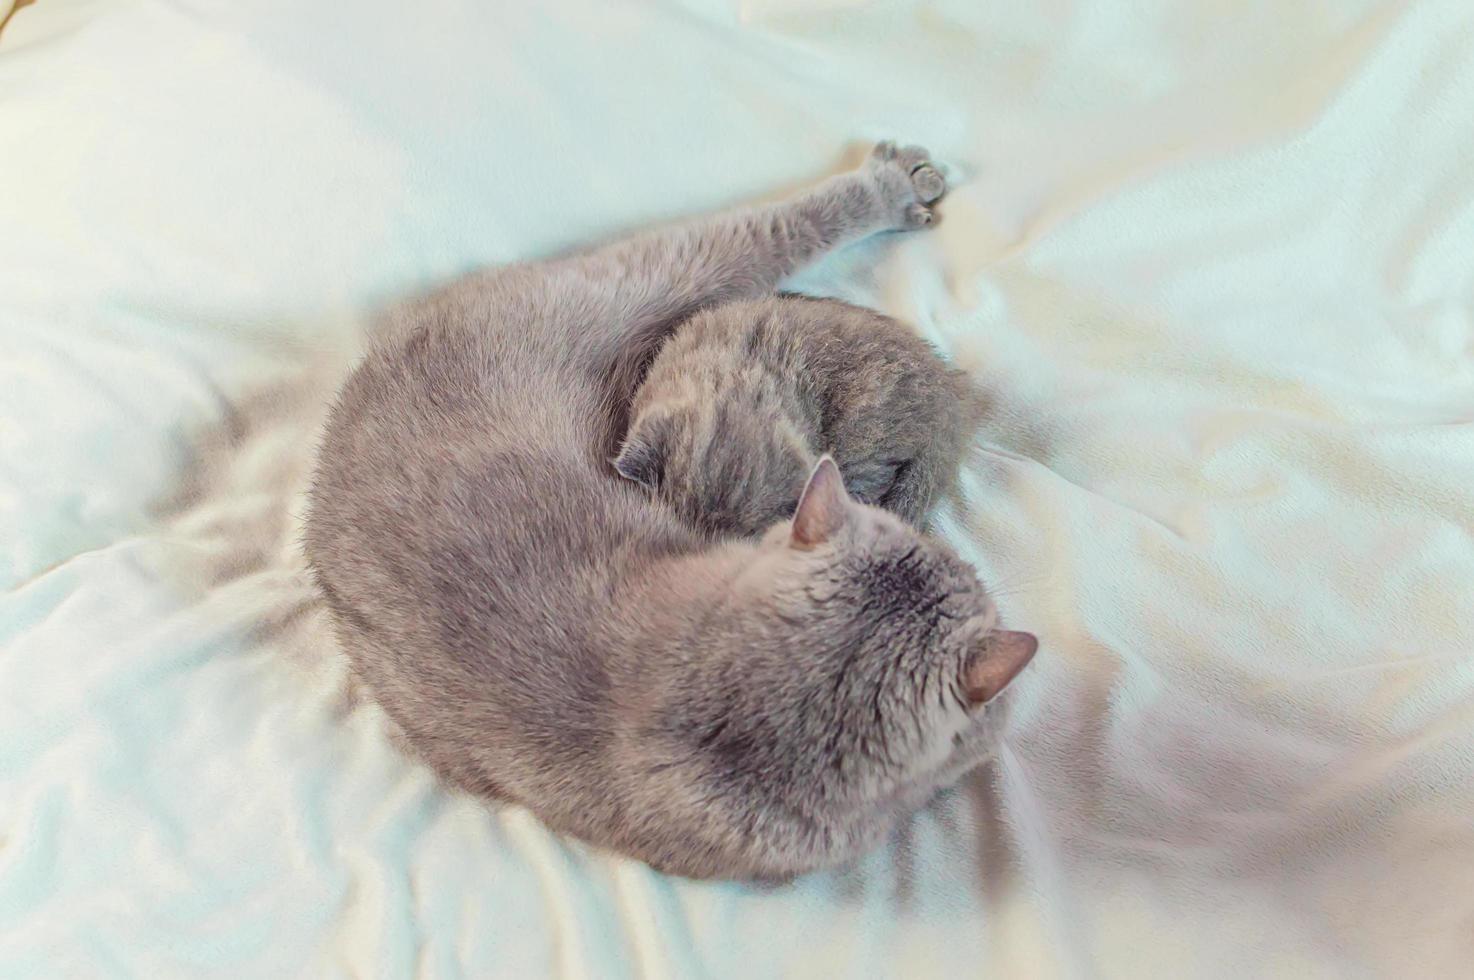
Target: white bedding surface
x,y
1215,262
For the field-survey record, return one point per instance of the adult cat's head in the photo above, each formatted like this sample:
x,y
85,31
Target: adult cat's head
x,y
854,663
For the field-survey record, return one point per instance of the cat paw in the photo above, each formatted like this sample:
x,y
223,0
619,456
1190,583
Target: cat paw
x,y
909,183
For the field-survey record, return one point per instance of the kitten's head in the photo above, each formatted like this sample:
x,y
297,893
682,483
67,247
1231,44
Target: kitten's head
x,y
729,458
875,653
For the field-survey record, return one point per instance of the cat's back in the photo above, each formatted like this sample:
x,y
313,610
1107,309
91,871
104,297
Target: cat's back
x,y
466,540
441,430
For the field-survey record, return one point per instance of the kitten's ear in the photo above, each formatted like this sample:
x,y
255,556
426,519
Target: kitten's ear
x,y
823,508
642,457
992,667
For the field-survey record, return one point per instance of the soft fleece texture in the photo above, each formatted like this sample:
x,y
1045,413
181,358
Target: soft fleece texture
x,y
1214,262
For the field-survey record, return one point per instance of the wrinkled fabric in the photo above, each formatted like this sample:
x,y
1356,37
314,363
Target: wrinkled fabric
x,y
1211,263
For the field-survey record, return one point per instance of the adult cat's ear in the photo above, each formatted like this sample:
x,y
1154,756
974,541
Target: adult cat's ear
x,y
823,508
1003,654
642,457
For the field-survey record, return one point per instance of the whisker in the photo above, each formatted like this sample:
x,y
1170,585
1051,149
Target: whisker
x,y
1016,582
1009,586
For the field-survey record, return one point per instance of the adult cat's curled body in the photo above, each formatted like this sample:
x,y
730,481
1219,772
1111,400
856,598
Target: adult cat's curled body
x,y
545,632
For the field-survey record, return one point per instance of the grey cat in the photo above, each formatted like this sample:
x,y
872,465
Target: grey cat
x,y
745,397
547,633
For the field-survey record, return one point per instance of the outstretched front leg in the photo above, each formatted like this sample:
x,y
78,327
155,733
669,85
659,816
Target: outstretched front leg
x,y
631,294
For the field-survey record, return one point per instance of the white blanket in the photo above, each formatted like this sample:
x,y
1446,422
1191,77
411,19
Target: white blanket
x,y
1215,263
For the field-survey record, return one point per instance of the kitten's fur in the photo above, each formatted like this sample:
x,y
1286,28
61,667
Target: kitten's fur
x,y
546,632
745,397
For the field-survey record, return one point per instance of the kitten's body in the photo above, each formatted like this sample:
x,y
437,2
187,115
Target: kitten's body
x,y
745,397
544,632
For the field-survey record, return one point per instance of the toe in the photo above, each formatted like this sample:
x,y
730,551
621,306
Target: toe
x,y
929,183
919,216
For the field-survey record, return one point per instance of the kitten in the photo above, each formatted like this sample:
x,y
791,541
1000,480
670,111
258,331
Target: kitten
x,y
545,632
744,398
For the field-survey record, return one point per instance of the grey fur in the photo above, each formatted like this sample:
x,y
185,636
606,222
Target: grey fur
x,y
745,397
546,633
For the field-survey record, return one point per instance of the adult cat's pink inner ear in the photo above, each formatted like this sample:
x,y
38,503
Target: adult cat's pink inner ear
x,y
991,669
823,508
